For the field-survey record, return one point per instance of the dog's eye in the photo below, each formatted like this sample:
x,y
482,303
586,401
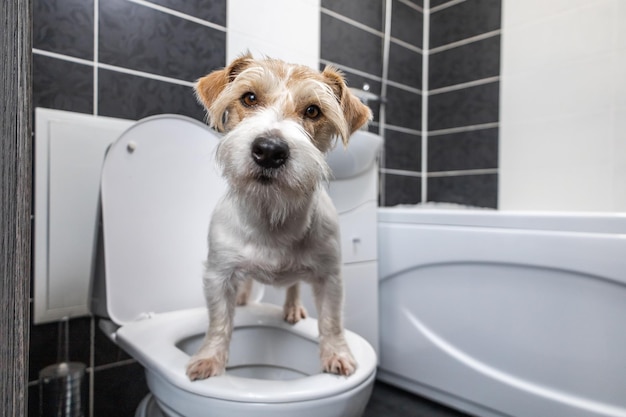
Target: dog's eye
x,y
249,99
312,112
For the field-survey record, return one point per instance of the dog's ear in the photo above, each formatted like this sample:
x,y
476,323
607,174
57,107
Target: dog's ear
x,y
356,113
209,87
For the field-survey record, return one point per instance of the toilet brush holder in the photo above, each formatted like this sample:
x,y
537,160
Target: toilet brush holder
x,y
62,387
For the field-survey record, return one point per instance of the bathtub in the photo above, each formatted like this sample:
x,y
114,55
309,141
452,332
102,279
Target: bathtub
x,y
505,314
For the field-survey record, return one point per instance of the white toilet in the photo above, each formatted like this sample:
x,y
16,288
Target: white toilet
x,y
158,188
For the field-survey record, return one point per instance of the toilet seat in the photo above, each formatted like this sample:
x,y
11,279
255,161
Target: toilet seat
x,y
153,342
148,283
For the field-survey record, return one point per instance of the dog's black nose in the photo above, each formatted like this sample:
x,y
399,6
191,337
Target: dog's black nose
x,y
269,152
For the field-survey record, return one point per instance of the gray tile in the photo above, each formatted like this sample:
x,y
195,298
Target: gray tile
x,y
350,46
105,351
62,85
477,149
464,20
358,81
465,107
132,97
435,3
407,24
403,151
471,190
389,401
64,26
137,37
404,108
405,66
401,189
213,11
473,61
368,12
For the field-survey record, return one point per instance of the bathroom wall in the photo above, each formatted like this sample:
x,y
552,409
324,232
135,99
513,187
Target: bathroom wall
x,y
437,66
563,129
108,58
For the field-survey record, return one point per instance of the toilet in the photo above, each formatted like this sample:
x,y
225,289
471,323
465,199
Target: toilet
x,y
158,187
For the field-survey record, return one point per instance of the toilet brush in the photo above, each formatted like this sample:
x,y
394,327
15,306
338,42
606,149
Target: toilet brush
x,y
62,385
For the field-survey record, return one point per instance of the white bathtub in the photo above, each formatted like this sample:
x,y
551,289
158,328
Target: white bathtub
x,y
497,313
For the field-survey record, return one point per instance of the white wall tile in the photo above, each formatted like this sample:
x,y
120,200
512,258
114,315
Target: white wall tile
x,y
563,106
285,29
559,164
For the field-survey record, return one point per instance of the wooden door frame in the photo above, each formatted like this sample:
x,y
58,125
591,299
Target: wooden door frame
x,y
15,202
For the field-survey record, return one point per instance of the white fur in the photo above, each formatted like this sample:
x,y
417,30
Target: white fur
x,y
279,231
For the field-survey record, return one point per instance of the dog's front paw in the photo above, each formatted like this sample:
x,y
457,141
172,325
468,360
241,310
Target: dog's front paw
x,y
293,313
340,363
204,367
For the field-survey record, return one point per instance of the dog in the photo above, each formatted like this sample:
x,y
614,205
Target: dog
x,y
276,223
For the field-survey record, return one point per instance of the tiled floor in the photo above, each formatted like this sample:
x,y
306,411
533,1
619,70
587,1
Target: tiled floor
x,y
389,401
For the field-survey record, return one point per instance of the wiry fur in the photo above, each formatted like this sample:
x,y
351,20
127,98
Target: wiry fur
x,y
275,225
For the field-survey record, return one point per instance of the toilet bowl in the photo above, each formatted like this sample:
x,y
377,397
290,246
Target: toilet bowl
x,y
159,186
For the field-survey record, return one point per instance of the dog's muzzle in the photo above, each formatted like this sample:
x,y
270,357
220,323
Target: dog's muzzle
x,y
269,153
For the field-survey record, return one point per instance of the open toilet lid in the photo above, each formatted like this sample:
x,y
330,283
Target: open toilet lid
x,y
159,187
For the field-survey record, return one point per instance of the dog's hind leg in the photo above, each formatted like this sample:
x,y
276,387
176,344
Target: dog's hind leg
x,y
243,292
334,351
293,309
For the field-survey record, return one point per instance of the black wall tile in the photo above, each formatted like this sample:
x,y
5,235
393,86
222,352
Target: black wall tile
x,y
44,345
62,85
119,390
357,49
402,189
405,66
404,108
368,12
465,107
469,62
403,151
407,24
213,11
464,20
131,97
471,190
64,27
137,37
477,149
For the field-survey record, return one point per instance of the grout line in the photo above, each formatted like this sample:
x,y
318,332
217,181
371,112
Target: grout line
x,y
179,14
425,73
446,5
349,21
113,365
464,85
404,87
403,129
412,5
407,45
352,70
146,75
62,57
113,68
460,129
92,362
466,41
96,53
401,172
463,172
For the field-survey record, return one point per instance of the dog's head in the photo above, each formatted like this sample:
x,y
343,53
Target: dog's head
x,y
279,120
